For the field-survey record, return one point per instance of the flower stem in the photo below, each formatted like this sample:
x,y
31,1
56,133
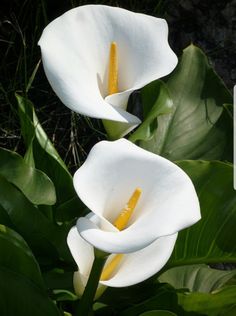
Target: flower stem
x,y
86,301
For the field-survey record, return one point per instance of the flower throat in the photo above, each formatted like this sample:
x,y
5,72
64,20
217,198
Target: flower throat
x,y
120,223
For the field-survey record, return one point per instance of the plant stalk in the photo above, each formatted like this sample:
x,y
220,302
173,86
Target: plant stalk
x,y
86,301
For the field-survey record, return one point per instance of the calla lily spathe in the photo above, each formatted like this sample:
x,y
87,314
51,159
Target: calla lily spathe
x,y
75,53
134,267
105,183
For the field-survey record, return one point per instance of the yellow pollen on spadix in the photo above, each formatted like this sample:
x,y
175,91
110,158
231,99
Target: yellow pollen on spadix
x,y
120,223
113,69
123,218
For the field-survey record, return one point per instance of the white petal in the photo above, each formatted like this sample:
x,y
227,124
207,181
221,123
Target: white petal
x,y
108,178
81,250
82,253
113,242
141,265
75,53
79,282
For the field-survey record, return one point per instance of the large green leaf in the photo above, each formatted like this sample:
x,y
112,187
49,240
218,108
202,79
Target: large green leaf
x,y
207,294
157,102
230,311
199,126
21,287
70,210
35,184
31,128
41,234
135,300
213,238
59,279
4,218
218,303
16,256
196,278
42,153
132,296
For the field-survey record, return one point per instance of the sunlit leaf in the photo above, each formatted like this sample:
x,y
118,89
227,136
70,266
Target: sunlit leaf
x,y
157,102
210,304
35,184
42,153
213,238
196,278
64,295
199,126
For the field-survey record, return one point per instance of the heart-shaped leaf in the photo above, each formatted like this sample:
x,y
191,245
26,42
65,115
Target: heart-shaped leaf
x,y
196,278
157,102
218,303
212,239
35,184
198,126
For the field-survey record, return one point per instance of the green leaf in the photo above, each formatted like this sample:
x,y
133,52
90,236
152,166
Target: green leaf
x,y
101,309
229,311
4,218
211,304
97,306
31,128
31,79
199,126
157,102
17,256
165,298
196,278
158,313
64,295
41,234
212,239
59,279
35,184
134,300
42,153
70,210
140,298
21,286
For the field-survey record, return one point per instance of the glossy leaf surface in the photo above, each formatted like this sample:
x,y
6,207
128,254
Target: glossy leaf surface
x,y
33,183
41,152
212,239
196,278
198,126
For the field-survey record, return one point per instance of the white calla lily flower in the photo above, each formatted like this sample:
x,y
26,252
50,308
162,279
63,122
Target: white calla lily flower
x,y
75,52
132,268
105,183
